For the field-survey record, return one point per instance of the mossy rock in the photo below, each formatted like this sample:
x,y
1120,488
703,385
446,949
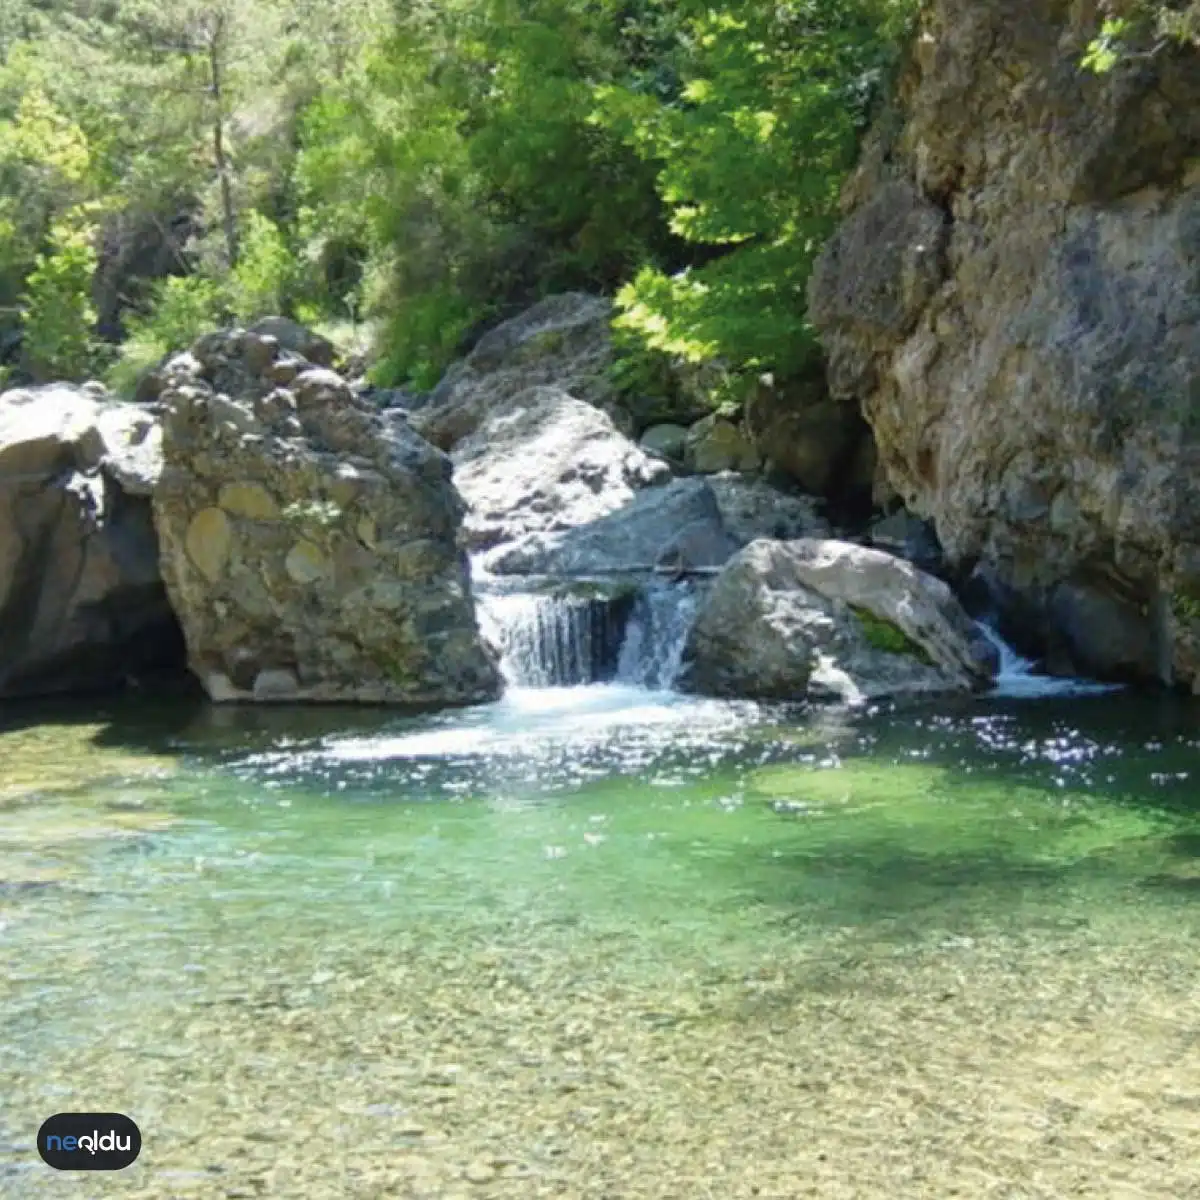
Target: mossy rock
x,y
883,635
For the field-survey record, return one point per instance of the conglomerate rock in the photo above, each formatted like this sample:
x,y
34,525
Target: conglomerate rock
x,y
308,542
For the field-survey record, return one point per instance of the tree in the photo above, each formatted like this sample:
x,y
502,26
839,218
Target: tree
x,y
750,154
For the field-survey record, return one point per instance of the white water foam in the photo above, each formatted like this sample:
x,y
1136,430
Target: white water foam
x,y
528,720
1018,677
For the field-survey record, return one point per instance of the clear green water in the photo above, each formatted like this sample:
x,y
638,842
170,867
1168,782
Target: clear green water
x,y
601,944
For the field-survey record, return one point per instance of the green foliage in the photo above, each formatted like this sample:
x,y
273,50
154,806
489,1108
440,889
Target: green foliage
x,y
1133,29
58,317
1186,608
1104,51
482,180
259,284
750,157
183,307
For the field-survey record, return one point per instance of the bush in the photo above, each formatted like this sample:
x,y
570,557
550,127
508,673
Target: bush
x,y
183,308
260,282
57,317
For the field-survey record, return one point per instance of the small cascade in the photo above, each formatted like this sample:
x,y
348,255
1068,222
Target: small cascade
x,y
553,640
656,633
1018,676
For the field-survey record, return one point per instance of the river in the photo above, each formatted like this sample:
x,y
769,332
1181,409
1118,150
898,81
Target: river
x,y
607,942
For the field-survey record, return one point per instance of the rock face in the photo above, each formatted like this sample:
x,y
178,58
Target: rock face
x,y
824,619
1013,298
629,539
82,606
308,543
563,341
714,444
543,461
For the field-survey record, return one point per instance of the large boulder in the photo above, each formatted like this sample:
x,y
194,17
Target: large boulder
x,y
309,544
542,462
1012,298
82,605
563,341
802,432
823,619
629,540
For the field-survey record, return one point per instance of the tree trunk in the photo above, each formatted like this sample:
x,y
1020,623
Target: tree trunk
x,y
216,46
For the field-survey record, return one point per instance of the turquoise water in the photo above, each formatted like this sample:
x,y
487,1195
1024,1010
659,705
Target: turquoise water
x,y
607,943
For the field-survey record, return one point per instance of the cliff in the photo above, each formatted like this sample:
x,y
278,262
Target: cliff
x,y
1014,299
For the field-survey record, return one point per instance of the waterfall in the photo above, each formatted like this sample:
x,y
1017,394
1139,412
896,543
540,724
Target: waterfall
x,y
549,640
656,634
553,638
1018,676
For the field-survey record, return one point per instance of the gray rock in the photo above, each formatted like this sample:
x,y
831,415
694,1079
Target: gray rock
x,y
83,604
666,441
699,545
545,462
1104,637
291,335
309,546
752,508
823,619
910,537
563,341
1012,300
629,539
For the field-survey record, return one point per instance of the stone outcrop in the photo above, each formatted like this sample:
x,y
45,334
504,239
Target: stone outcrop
x,y
629,539
543,461
563,341
82,606
309,543
1012,297
715,444
824,619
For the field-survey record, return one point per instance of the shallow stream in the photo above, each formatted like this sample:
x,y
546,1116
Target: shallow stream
x,y
605,942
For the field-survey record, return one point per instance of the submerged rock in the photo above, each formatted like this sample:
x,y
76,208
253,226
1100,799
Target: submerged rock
x,y
825,619
1012,298
82,605
309,543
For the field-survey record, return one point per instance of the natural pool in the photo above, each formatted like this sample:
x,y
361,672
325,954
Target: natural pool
x,y
603,943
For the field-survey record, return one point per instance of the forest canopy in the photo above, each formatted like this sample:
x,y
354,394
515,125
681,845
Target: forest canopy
x,y
413,172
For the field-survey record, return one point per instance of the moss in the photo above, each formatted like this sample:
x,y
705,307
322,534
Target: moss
x,y
544,344
883,635
1186,608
